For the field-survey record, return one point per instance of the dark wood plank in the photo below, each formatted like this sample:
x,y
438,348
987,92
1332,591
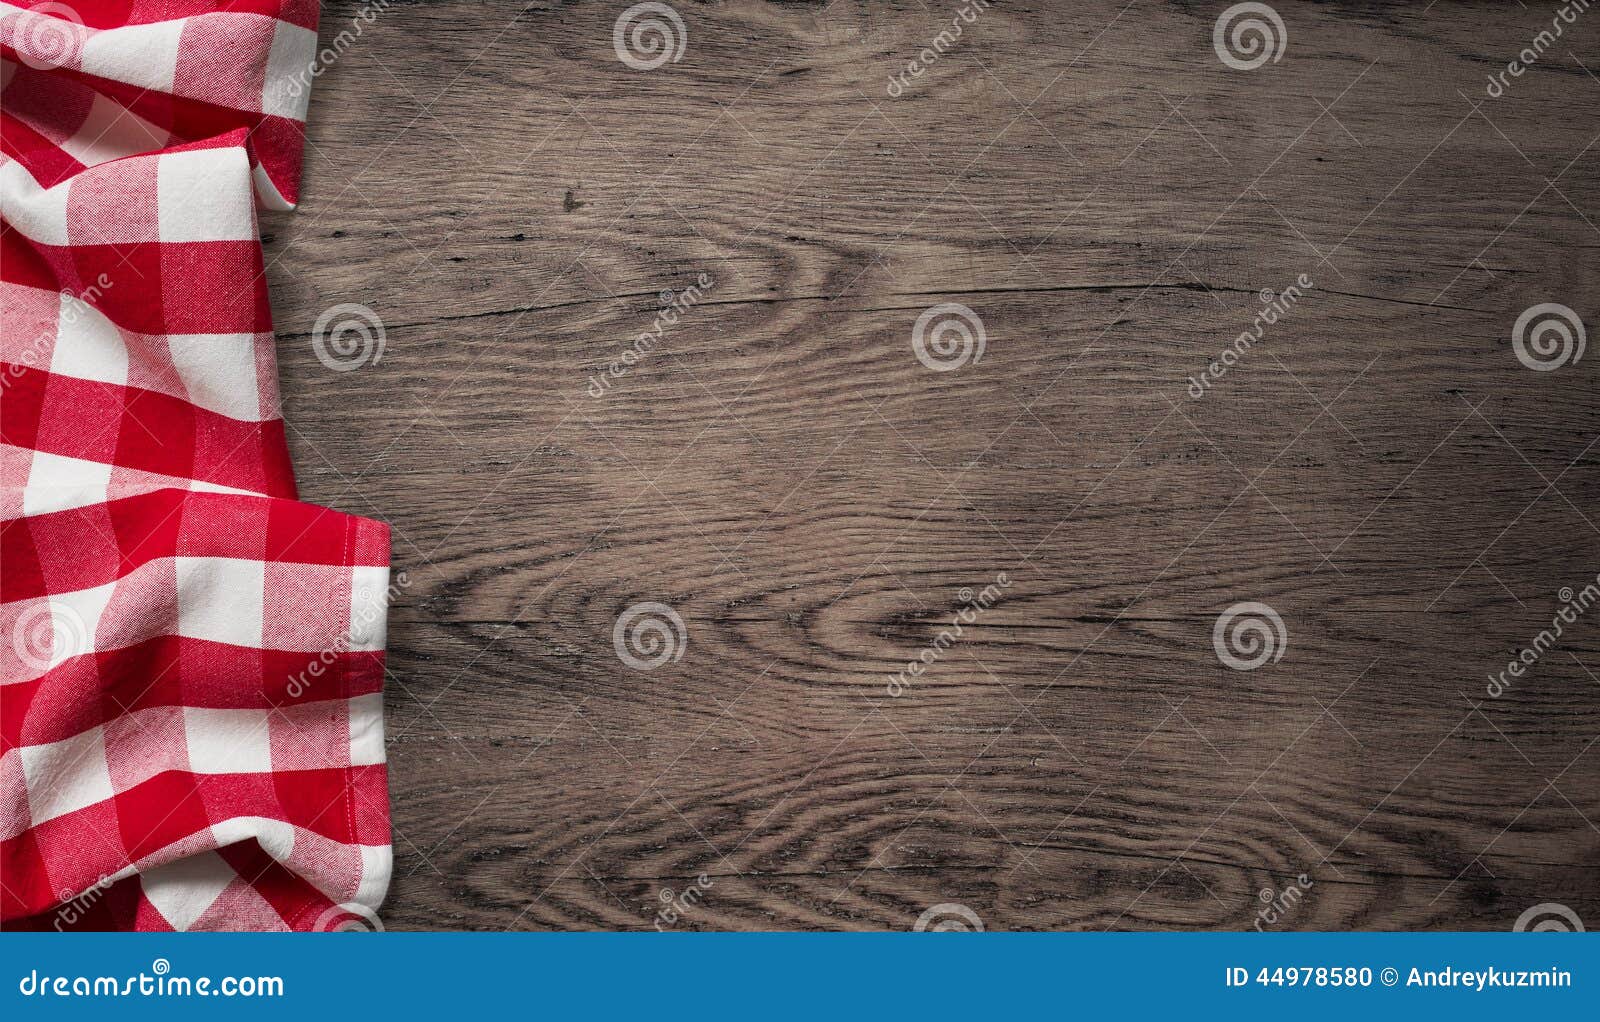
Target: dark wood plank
x,y
1110,200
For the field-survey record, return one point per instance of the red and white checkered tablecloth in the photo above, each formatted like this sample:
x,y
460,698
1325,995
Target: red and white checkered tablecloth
x,y
191,660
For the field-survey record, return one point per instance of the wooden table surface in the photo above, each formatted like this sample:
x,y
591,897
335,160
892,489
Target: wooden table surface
x,y
817,505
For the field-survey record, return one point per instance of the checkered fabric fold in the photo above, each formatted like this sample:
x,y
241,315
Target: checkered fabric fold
x,y
191,660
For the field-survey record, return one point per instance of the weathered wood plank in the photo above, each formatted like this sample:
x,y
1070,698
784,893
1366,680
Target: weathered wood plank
x,y
1110,200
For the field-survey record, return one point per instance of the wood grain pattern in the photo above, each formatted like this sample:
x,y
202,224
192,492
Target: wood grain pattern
x,y
781,470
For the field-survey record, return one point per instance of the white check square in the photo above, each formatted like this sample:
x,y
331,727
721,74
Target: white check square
x,y
228,741
66,776
220,599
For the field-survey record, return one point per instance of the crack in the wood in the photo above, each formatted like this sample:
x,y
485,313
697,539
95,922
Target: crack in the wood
x,y
1272,871
1199,287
